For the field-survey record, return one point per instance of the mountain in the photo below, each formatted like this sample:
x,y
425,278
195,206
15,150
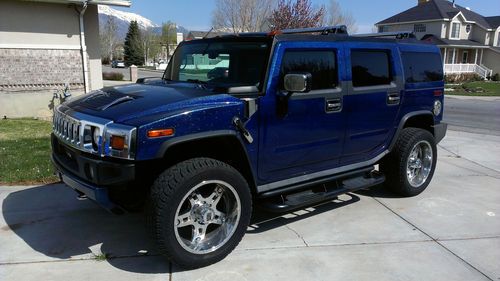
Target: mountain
x,y
123,20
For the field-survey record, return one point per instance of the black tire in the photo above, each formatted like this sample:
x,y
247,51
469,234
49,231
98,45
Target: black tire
x,y
394,165
170,191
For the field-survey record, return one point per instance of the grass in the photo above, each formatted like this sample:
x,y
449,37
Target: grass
x,y
25,152
101,257
481,88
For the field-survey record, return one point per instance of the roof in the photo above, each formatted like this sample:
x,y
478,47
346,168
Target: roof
x,y
201,34
447,42
124,3
493,21
438,10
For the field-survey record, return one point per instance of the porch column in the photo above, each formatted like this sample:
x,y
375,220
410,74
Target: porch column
x,y
481,60
475,60
445,55
454,55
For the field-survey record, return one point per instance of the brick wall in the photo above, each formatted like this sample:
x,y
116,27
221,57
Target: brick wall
x,y
38,69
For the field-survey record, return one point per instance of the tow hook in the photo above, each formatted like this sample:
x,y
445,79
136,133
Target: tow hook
x,y
237,122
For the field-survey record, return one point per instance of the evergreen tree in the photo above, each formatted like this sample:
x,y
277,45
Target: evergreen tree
x,y
134,53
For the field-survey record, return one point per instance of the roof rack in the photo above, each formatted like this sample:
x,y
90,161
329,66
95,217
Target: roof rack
x,y
398,35
324,30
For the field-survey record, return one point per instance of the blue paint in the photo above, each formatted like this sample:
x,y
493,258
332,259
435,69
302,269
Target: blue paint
x,y
305,141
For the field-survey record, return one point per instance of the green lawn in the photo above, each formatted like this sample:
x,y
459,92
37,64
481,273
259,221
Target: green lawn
x,y
25,151
481,88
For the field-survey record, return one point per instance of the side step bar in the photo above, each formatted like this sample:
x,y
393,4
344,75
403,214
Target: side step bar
x,y
329,191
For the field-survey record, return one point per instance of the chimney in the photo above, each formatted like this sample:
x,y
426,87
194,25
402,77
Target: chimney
x,y
420,2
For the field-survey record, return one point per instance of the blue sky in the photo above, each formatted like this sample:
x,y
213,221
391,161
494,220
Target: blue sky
x,y
196,14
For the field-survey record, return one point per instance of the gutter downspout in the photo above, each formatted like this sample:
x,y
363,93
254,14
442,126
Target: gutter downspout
x,y
83,46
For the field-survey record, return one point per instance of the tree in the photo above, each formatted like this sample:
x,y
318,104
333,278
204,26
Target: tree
x,y
134,53
296,14
241,15
335,15
168,36
151,42
109,39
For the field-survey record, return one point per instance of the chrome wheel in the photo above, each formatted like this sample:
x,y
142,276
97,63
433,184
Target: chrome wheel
x,y
207,217
419,163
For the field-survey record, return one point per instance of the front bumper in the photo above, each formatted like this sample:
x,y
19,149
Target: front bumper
x,y
90,175
440,131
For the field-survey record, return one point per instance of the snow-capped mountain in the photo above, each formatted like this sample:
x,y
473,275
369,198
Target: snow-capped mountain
x,y
127,17
123,19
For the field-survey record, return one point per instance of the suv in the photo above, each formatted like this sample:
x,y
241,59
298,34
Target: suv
x,y
298,118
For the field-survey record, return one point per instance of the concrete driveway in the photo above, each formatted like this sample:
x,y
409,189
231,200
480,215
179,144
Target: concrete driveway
x,y
450,232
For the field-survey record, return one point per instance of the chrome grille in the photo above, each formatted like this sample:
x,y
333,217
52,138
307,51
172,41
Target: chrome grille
x,y
67,128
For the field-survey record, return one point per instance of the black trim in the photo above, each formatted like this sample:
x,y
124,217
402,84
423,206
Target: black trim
x,y
403,122
198,136
304,185
440,131
88,169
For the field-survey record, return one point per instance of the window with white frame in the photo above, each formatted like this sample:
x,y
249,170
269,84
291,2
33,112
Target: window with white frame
x,y
455,30
383,28
419,28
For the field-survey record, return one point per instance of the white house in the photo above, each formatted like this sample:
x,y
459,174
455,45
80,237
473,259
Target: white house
x,y
469,42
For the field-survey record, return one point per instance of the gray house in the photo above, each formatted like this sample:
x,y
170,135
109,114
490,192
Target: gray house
x,y
45,45
469,42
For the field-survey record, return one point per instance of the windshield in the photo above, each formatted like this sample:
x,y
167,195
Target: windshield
x,y
219,63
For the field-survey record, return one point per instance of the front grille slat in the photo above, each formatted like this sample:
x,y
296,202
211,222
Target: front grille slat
x,y
67,129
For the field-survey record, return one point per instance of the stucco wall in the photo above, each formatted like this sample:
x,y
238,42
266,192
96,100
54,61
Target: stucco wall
x,y
40,52
24,22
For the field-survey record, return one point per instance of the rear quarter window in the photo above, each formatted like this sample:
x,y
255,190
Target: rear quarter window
x,y
422,67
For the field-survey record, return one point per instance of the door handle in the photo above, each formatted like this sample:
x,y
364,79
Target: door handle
x,y
333,105
393,98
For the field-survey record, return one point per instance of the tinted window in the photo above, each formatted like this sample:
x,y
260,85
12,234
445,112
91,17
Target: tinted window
x,y
321,64
422,67
370,68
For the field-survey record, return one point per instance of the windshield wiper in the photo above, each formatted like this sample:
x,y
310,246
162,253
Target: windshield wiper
x,y
197,81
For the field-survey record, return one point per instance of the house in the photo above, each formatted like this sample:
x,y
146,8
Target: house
x,y
469,42
45,45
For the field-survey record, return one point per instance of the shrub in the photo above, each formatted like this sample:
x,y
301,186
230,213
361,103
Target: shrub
x,y
115,76
495,77
462,78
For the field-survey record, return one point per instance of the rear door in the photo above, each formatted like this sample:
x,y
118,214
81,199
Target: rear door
x,y
373,100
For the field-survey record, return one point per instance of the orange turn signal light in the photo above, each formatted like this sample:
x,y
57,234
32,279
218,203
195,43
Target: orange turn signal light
x,y
161,133
117,142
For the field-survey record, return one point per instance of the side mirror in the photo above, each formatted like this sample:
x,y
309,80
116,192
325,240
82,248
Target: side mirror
x,y
297,82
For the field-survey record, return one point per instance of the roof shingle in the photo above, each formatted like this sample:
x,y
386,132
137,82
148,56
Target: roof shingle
x,y
441,9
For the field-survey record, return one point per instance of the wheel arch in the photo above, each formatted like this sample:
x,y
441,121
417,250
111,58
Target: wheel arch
x,y
421,119
225,146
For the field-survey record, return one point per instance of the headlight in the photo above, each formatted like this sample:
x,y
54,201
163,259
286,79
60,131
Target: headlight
x,y
96,133
437,108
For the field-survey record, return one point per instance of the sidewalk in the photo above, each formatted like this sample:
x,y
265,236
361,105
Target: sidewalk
x,y
449,232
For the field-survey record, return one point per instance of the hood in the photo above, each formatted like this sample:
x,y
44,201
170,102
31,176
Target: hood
x,y
123,103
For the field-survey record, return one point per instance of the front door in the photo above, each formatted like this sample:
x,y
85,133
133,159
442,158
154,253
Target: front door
x,y
465,57
307,136
373,100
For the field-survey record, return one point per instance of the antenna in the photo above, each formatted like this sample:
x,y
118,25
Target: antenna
x,y
205,36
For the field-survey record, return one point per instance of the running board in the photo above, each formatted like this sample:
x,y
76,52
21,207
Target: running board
x,y
326,192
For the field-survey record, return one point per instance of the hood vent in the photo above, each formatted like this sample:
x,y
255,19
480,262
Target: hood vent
x,y
101,100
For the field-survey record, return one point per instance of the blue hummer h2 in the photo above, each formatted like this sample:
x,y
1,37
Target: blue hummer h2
x,y
280,120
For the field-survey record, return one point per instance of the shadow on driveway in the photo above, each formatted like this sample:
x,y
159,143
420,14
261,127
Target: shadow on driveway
x,y
54,223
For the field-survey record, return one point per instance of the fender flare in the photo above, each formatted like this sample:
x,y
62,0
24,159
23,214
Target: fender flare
x,y
402,123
